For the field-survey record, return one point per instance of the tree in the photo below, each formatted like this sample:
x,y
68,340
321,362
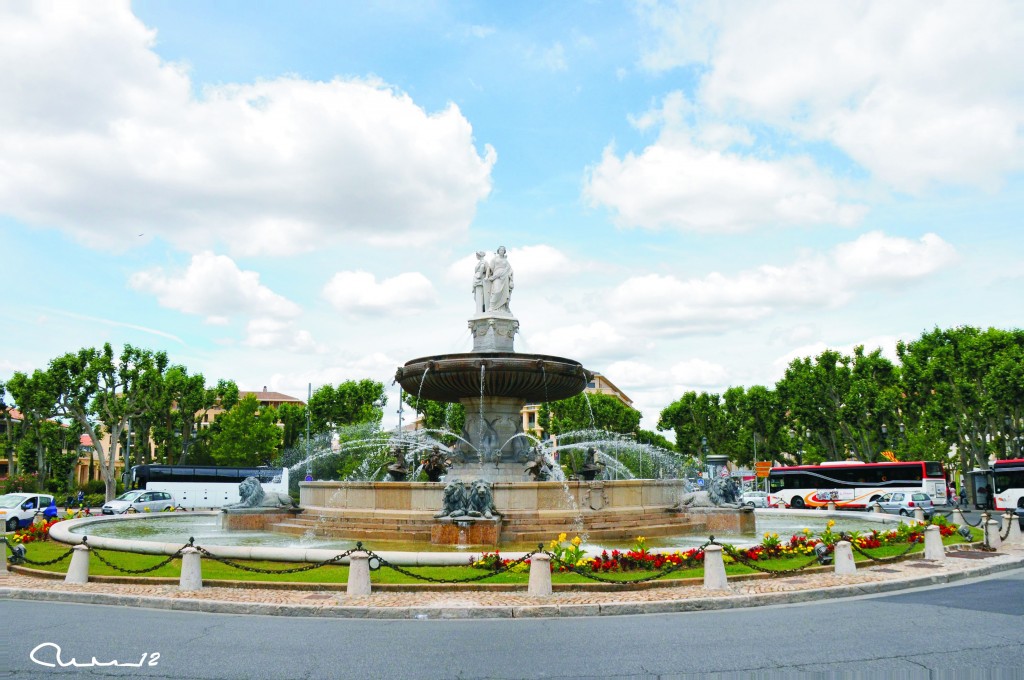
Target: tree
x,y
438,415
245,435
349,403
94,382
293,421
189,401
587,412
35,397
693,417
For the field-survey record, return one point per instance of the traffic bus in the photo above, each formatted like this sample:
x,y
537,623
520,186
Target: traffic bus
x,y
1008,484
204,486
853,485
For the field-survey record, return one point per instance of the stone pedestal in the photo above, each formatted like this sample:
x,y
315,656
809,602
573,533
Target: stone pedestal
x,y
78,570
358,575
714,569
933,549
843,557
992,537
493,430
191,570
493,332
540,576
468,531
253,519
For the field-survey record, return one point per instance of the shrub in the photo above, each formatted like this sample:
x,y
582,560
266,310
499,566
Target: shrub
x,y
19,483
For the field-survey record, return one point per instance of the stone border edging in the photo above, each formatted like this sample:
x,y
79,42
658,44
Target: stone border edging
x,y
512,611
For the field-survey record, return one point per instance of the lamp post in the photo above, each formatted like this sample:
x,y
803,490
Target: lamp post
x,y
704,450
309,456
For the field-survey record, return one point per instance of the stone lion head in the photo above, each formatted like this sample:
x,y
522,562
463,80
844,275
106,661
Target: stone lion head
x,y
250,491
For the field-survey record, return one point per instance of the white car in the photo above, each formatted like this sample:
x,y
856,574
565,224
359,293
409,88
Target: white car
x,y
139,500
755,499
17,510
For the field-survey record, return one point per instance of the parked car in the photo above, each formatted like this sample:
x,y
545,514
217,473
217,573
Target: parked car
x,y
18,509
755,499
139,500
906,503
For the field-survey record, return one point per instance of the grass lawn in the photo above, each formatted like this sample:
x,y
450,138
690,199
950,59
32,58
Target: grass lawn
x,y
213,570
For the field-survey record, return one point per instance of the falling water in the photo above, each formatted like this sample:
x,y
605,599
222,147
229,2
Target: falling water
x,y
480,429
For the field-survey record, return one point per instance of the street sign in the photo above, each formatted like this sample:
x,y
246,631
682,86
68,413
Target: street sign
x,y
763,468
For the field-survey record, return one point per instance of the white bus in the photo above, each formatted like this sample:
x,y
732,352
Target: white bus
x,y
197,487
852,485
1008,484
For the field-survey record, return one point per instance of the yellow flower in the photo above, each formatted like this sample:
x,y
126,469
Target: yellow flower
x,y
807,531
561,537
831,523
767,534
553,544
774,535
576,541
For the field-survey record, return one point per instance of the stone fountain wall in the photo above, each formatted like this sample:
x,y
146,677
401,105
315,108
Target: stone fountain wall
x,y
531,511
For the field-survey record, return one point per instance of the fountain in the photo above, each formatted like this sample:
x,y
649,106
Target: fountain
x,y
493,383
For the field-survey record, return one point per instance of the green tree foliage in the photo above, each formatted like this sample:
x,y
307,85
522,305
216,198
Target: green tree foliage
x,y
584,412
293,423
112,389
34,397
245,435
693,417
349,403
438,415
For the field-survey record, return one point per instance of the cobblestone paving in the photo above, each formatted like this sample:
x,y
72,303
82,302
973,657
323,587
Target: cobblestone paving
x,y
739,593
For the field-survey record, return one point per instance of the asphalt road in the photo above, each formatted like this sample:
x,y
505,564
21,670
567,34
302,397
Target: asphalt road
x,y
974,627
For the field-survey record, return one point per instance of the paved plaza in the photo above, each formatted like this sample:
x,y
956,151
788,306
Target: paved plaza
x,y
330,600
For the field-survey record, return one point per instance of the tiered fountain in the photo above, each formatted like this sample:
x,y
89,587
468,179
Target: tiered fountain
x,y
493,383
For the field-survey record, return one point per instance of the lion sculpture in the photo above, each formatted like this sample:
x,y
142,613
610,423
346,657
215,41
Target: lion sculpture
x,y
481,500
252,496
723,492
455,500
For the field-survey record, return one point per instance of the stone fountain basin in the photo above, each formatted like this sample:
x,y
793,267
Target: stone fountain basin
x,y
534,378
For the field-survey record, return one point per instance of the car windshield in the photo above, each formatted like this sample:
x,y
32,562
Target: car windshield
x,y
129,496
11,500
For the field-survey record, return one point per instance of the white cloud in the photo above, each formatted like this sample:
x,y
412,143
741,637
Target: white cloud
x,y
597,341
915,92
667,305
359,293
689,179
267,333
532,265
101,138
679,377
213,286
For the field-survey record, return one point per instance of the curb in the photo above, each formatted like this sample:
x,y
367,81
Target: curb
x,y
539,610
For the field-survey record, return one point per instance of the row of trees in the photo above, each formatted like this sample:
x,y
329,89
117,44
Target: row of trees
x,y
158,412
959,388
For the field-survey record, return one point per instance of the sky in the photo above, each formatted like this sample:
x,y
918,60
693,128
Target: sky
x,y
692,194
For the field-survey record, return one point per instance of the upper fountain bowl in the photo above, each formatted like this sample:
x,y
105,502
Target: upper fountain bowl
x,y
536,378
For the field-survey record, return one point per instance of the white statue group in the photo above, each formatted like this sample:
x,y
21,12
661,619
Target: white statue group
x,y
492,283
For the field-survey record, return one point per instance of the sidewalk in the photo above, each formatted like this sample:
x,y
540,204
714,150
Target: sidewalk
x,y
489,603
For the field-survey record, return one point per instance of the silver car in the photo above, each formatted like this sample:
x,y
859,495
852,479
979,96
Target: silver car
x,y
906,503
139,500
755,499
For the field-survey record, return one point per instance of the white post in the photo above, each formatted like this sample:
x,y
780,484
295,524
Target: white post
x,y
843,558
540,575
1014,535
831,506
992,534
3,558
919,514
877,508
191,570
714,569
958,517
933,549
358,575
78,570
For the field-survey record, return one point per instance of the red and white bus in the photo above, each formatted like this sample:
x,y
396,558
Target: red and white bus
x,y
1008,484
853,485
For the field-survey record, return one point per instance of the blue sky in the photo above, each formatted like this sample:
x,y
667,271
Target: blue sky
x,y
691,193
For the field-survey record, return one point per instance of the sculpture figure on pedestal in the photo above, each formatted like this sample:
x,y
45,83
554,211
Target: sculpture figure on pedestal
x,y
501,283
481,284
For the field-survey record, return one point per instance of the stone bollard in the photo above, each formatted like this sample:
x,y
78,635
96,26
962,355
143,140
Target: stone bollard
x,y
540,575
714,569
1014,535
992,538
831,506
876,507
78,570
191,569
843,558
958,517
358,575
3,557
919,514
933,549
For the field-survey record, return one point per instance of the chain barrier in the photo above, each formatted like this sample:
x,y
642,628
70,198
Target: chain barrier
x,y
430,579
1009,527
882,560
981,520
689,563
746,561
18,558
257,570
162,563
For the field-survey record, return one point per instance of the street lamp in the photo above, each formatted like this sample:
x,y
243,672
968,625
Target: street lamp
x,y
704,448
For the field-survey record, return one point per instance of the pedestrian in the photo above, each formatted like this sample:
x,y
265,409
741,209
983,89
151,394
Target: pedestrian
x,y
50,512
963,495
81,498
